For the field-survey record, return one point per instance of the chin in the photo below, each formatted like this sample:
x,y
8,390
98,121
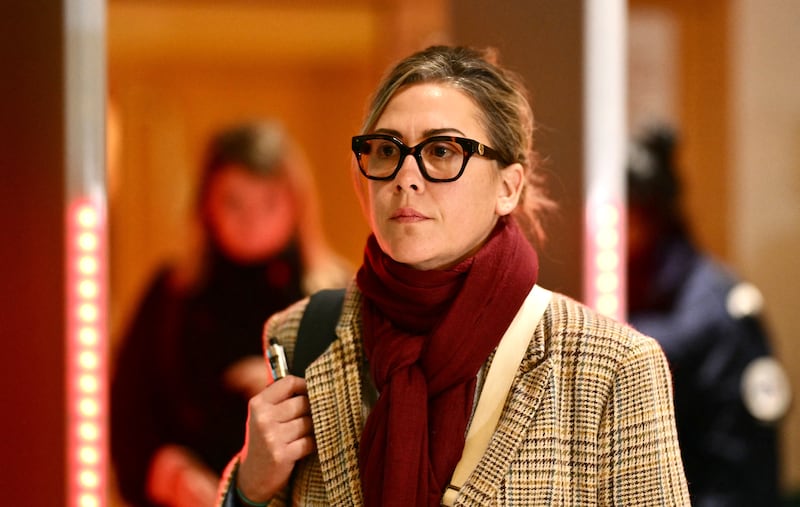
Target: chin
x,y
406,248
420,262
245,256
410,258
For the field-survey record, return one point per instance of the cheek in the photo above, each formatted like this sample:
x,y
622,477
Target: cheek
x,y
480,202
280,219
374,201
227,227
272,216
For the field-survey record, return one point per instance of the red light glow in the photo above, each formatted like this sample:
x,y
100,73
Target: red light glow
x,y
86,366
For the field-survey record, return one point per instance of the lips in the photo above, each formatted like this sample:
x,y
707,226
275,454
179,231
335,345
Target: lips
x,y
407,215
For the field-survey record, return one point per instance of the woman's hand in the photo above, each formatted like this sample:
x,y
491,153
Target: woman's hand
x,y
178,479
279,433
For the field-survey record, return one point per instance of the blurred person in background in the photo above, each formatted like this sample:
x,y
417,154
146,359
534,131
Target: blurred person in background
x,y
730,393
192,357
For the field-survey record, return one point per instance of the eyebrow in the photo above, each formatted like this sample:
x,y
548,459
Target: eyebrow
x,y
425,134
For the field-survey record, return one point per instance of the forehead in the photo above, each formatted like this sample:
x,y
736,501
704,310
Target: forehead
x,y
418,108
237,177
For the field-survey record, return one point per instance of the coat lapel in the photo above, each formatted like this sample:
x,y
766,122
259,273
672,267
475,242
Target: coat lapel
x,y
334,391
515,421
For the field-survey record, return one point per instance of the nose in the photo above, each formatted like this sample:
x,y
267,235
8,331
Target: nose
x,y
410,175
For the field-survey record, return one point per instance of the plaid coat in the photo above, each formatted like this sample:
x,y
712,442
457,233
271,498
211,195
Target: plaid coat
x,y
588,420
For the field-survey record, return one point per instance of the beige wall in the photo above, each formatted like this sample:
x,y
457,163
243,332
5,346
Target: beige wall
x,y
764,221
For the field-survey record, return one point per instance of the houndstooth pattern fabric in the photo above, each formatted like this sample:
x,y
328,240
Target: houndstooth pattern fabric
x,y
588,420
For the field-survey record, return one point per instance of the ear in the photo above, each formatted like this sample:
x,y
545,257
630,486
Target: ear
x,y
509,190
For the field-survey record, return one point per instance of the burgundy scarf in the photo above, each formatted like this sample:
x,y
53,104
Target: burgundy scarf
x,y
426,336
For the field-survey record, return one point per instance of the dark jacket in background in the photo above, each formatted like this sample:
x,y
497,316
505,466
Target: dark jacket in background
x,y
168,384
682,299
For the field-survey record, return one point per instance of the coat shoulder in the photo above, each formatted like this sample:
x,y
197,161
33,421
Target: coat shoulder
x,y
575,330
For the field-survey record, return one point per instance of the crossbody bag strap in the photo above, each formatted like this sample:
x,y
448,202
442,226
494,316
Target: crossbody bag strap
x,y
501,374
317,328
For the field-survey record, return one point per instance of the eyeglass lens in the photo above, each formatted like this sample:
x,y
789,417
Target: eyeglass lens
x,y
441,158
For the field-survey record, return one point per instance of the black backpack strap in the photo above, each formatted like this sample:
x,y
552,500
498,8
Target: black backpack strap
x,y
317,328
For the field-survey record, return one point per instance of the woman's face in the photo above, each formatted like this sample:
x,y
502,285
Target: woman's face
x,y
251,217
435,225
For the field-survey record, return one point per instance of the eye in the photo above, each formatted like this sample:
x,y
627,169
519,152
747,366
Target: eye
x,y
442,150
385,149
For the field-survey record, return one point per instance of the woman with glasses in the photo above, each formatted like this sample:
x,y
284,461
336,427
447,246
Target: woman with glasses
x,y
454,379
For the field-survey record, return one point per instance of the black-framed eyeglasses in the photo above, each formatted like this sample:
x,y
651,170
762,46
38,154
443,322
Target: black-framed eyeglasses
x,y
440,158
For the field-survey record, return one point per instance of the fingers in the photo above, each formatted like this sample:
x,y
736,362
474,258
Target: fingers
x,y
281,424
301,447
297,406
279,432
285,388
278,416
296,429
282,401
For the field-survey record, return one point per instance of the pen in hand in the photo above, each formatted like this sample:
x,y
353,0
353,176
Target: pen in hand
x,y
277,360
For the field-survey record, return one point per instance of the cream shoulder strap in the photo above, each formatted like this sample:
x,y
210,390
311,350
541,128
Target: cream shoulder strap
x,y
501,374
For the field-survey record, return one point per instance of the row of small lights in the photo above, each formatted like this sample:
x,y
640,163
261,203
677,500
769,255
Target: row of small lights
x,y
86,370
605,263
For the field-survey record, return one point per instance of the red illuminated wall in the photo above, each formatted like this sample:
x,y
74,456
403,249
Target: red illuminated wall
x,y
31,254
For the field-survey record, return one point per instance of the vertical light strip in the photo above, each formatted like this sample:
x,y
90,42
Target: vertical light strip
x,y
86,254
86,355
604,155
